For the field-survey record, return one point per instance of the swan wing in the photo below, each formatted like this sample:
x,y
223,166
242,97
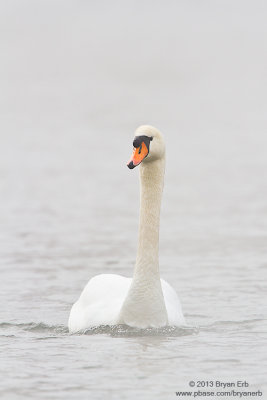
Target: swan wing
x,y
100,302
173,305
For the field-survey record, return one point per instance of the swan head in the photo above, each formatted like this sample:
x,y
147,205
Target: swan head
x,y
148,146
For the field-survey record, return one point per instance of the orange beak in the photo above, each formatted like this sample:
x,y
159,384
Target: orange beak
x,y
139,153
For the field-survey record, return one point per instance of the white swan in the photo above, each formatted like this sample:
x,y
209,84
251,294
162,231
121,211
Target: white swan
x,y
144,300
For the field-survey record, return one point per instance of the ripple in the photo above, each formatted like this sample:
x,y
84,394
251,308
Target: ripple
x,y
232,325
127,331
114,331
7,336
35,327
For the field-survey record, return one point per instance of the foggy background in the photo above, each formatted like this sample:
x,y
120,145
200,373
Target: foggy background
x,y
76,79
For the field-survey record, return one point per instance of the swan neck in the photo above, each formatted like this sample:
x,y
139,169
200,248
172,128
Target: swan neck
x,y
144,305
151,187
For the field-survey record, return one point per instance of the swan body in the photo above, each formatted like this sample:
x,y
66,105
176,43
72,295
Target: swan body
x,y
102,298
144,300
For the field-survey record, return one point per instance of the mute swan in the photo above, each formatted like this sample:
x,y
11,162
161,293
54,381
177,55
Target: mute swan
x,y
144,300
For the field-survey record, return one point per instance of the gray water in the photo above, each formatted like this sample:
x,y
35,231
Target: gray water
x,y
76,79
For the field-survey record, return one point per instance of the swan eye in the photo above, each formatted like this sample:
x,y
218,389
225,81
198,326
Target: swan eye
x,y
137,142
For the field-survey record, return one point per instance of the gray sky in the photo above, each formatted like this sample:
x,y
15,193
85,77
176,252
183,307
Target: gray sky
x,y
185,66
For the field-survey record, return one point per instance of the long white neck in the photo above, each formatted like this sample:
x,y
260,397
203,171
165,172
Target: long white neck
x,y
144,305
151,186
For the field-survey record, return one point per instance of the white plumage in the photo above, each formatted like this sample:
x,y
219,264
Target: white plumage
x,y
101,301
145,300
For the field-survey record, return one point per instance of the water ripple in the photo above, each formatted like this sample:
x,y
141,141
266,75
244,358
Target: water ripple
x,y
127,331
35,327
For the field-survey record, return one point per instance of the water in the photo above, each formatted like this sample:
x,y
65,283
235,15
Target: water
x,y
76,80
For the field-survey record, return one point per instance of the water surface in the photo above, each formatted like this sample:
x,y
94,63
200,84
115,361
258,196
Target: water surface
x,y
76,81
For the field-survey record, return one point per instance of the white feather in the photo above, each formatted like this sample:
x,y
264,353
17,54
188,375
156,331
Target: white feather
x,y
102,298
144,300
